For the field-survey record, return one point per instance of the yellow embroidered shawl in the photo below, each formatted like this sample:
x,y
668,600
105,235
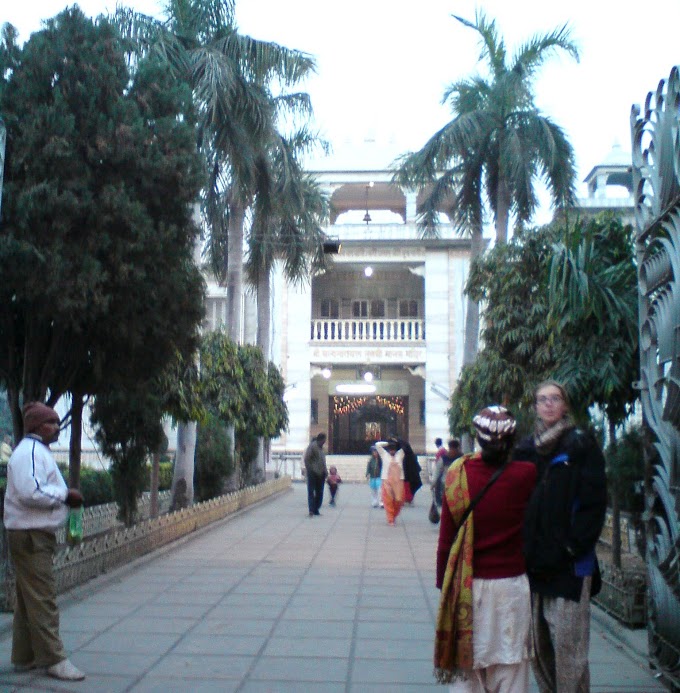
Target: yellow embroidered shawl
x,y
453,637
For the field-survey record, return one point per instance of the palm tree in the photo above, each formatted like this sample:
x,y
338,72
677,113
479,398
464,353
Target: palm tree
x,y
286,226
495,148
232,77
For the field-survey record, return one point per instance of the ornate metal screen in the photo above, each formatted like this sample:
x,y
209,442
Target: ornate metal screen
x,y
656,176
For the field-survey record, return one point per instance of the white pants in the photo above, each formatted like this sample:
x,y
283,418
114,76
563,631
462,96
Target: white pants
x,y
496,678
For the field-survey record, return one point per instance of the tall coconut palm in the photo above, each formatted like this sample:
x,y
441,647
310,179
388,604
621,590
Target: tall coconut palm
x,y
286,226
232,77
495,148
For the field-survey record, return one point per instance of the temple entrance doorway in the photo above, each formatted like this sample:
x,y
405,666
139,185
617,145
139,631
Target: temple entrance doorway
x,y
358,421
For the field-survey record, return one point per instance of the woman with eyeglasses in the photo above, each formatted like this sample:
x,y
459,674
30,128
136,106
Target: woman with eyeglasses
x,y
562,525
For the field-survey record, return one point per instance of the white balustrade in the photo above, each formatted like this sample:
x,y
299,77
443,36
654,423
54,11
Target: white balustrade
x,y
368,330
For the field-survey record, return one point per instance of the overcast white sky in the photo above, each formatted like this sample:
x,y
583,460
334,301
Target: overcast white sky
x,y
383,65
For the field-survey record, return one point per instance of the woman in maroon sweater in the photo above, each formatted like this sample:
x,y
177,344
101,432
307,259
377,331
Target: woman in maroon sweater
x,y
484,619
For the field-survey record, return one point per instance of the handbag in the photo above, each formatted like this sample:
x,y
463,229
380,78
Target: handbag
x,y
434,515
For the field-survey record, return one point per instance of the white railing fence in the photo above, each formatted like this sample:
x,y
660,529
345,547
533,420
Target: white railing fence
x,y
368,330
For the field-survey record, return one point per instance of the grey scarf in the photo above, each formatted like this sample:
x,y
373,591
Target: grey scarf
x,y
547,437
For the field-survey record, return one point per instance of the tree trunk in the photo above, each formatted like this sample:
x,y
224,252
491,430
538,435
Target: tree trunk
x,y
17,419
471,344
183,478
235,271
502,212
264,342
234,296
616,507
153,490
75,444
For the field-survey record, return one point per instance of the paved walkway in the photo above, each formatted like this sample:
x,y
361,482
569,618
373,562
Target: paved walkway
x,y
273,600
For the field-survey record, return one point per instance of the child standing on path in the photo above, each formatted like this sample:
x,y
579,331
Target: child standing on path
x,y
333,480
373,471
392,457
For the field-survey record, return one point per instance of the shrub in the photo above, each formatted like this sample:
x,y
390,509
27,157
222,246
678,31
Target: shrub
x,y
213,461
96,486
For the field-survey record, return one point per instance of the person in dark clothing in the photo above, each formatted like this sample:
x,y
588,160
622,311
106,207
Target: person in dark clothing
x,y
412,480
316,472
442,466
562,525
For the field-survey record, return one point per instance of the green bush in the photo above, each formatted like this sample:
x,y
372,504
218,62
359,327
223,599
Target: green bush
x,y
96,486
165,472
213,461
626,467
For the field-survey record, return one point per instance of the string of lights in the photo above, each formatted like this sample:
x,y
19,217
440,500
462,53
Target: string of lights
x,y
348,405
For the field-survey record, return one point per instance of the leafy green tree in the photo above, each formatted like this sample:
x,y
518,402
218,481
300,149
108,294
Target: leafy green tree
x,y
213,463
495,149
128,429
594,309
96,234
511,281
561,303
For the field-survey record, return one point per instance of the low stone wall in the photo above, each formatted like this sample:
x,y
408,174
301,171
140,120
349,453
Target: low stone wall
x,y
75,565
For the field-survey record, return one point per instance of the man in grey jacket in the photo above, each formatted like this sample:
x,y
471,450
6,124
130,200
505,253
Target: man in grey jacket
x,y
36,503
316,473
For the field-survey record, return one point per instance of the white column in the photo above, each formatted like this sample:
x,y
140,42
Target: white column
x,y
438,322
410,206
295,334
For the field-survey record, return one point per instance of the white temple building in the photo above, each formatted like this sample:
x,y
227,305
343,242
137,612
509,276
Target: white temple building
x,y
373,347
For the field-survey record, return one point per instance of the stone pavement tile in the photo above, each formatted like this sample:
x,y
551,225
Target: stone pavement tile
x,y
220,644
114,598
133,626
410,615
167,609
185,596
290,687
292,647
249,589
96,609
248,610
154,684
112,663
150,644
313,629
321,601
86,624
395,630
386,601
394,649
620,673
231,626
240,599
329,612
306,670
192,666
396,672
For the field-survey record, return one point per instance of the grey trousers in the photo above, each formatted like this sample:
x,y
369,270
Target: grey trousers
x,y
561,635
35,634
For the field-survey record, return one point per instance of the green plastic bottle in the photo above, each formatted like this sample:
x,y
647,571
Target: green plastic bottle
x,y
74,532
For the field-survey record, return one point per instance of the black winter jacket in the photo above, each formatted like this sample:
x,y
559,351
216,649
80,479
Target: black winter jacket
x,y
565,514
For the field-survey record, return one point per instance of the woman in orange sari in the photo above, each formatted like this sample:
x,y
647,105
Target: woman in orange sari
x,y
392,457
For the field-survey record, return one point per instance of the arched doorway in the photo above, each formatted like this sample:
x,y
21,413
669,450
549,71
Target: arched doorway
x,y
357,422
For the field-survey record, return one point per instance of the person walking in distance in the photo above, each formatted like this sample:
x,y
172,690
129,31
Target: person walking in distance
x,y
333,482
483,642
563,523
392,457
373,471
316,472
36,506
